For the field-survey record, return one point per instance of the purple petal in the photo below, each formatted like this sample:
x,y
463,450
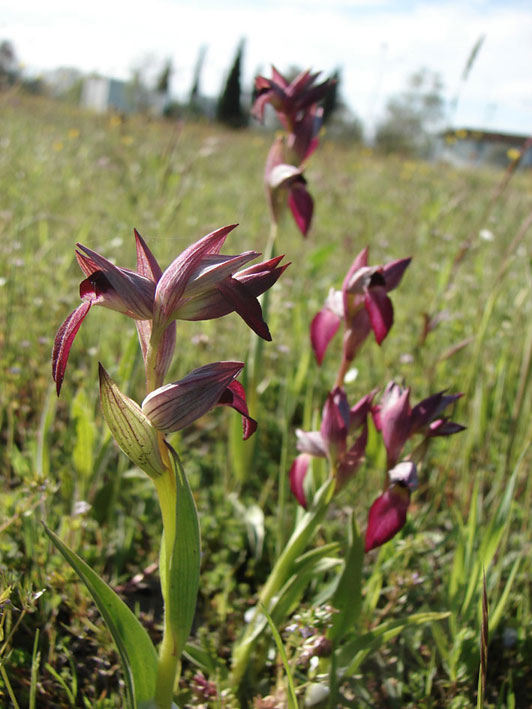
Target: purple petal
x,y
311,442
246,305
323,328
87,265
359,412
261,276
63,342
297,474
358,327
99,291
135,292
279,78
174,280
212,304
147,265
353,458
380,311
393,272
174,406
387,516
260,102
394,420
361,261
442,427
304,141
302,206
335,423
235,397
213,269
430,408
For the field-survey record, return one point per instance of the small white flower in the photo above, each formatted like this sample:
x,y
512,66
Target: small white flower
x,y
486,235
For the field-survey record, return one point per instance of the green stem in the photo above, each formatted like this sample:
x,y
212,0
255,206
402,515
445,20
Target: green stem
x,y
168,666
279,575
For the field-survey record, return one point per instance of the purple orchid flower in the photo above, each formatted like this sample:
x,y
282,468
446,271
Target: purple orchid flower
x,y
333,441
397,422
387,515
290,100
285,184
363,305
200,284
174,406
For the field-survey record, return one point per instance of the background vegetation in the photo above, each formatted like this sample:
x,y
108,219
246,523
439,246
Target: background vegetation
x,y
463,322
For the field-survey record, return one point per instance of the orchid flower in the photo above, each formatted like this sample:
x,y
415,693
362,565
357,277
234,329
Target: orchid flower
x,y
290,100
387,515
333,441
297,109
175,406
397,422
363,305
285,184
200,284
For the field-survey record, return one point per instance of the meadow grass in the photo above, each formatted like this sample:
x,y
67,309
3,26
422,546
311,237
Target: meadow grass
x,y
70,176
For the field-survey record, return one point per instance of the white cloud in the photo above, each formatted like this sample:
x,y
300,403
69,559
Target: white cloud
x,y
378,44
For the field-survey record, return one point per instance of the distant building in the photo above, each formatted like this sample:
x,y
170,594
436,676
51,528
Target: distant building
x,y
470,147
103,94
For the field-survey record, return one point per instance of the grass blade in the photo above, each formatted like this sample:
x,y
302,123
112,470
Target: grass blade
x,y
292,697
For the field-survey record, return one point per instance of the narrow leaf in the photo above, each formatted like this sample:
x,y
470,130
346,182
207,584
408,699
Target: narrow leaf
x,y
184,567
137,654
355,651
348,596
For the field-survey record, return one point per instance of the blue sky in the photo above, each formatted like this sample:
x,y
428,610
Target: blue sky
x,y
377,43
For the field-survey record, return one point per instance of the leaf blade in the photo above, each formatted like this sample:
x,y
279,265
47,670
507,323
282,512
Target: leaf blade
x,y
137,653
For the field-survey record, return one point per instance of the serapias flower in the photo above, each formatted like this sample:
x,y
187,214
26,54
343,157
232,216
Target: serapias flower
x,y
286,185
363,305
387,515
200,284
335,441
289,99
174,406
397,421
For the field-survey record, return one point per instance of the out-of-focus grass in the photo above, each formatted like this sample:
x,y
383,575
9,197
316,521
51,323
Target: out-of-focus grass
x,y
67,176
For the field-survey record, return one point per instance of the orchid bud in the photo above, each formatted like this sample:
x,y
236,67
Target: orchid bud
x,y
130,427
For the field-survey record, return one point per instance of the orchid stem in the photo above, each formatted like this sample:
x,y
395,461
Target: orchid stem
x,y
303,533
168,666
344,367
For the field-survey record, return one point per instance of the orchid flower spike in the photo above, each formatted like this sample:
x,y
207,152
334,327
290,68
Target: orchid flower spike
x,y
342,439
200,284
363,305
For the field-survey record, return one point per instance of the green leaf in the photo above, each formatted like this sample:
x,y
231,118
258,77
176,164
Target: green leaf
x,y
137,654
348,596
496,616
354,652
184,567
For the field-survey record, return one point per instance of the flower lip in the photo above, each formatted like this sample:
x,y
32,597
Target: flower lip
x,y
99,283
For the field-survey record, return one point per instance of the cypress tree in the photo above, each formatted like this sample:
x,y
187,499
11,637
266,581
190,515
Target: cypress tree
x,y
331,98
229,108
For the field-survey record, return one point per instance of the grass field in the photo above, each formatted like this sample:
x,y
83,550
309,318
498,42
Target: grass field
x,y
68,177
